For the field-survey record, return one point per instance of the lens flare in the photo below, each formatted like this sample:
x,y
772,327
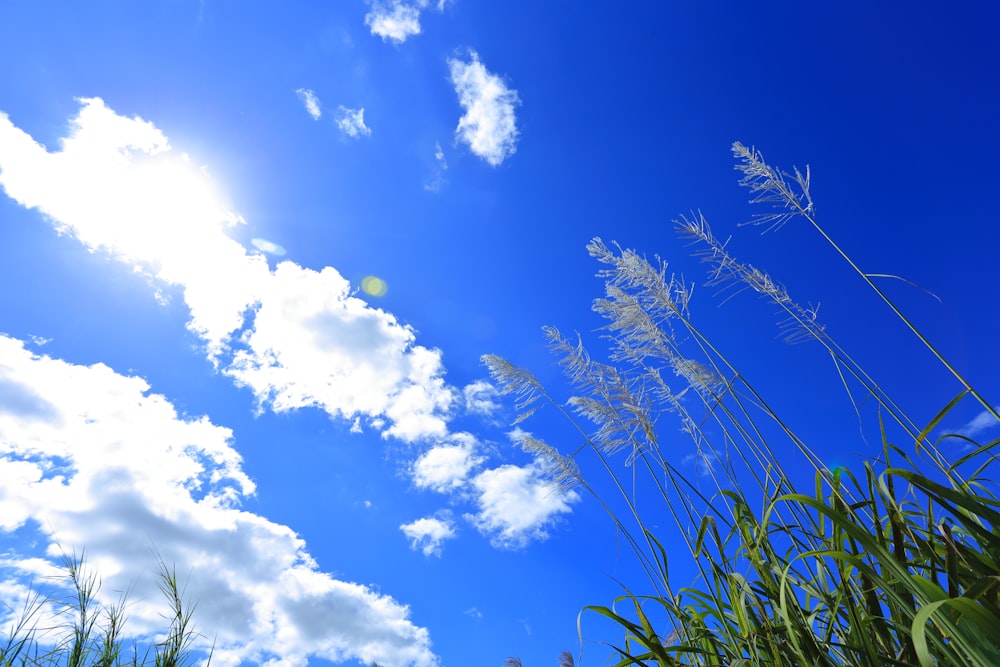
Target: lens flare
x,y
374,286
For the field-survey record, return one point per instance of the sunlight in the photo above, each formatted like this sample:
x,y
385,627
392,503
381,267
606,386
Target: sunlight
x,y
169,215
122,189
117,186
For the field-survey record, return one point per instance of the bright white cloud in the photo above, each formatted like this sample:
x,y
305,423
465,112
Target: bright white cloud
x,y
488,126
517,504
480,398
310,102
116,186
429,533
352,122
396,20
314,345
446,467
295,336
91,459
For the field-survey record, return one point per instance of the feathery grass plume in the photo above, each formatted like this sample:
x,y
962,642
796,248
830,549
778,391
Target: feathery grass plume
x,y
562,470
769,186
565,660
517,382
892,565
617,407
732,276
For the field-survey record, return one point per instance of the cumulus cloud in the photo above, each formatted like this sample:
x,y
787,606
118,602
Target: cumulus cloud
x,y
480,398
489,125
429,533
352,122
518,504
314,345
396,20
295,336
91,459
310,102
446,467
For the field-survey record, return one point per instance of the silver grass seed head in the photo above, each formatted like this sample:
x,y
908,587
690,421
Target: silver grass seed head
x,y
769,185
561,470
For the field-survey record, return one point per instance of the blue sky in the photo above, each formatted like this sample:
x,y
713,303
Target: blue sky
x,y
254,253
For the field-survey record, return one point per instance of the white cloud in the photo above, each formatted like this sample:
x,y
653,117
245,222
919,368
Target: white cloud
x,y
352,122
310,102
446,467
440,167
474,613
703,461
429,533
981,422
480,398
396,20
517,504
488,126
91,459
269,247
295,336
116,186
312,344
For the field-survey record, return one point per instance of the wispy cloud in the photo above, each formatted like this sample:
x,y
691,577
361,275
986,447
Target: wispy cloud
x,y
480,398
352,122
310,102
269,247
489,125
429,533
981,422
92,459
438,180
703,461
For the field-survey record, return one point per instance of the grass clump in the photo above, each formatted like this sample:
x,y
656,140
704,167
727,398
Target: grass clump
x,y
76,630
897,563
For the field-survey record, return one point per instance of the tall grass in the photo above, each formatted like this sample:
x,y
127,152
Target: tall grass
x,y
76,630
897,563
